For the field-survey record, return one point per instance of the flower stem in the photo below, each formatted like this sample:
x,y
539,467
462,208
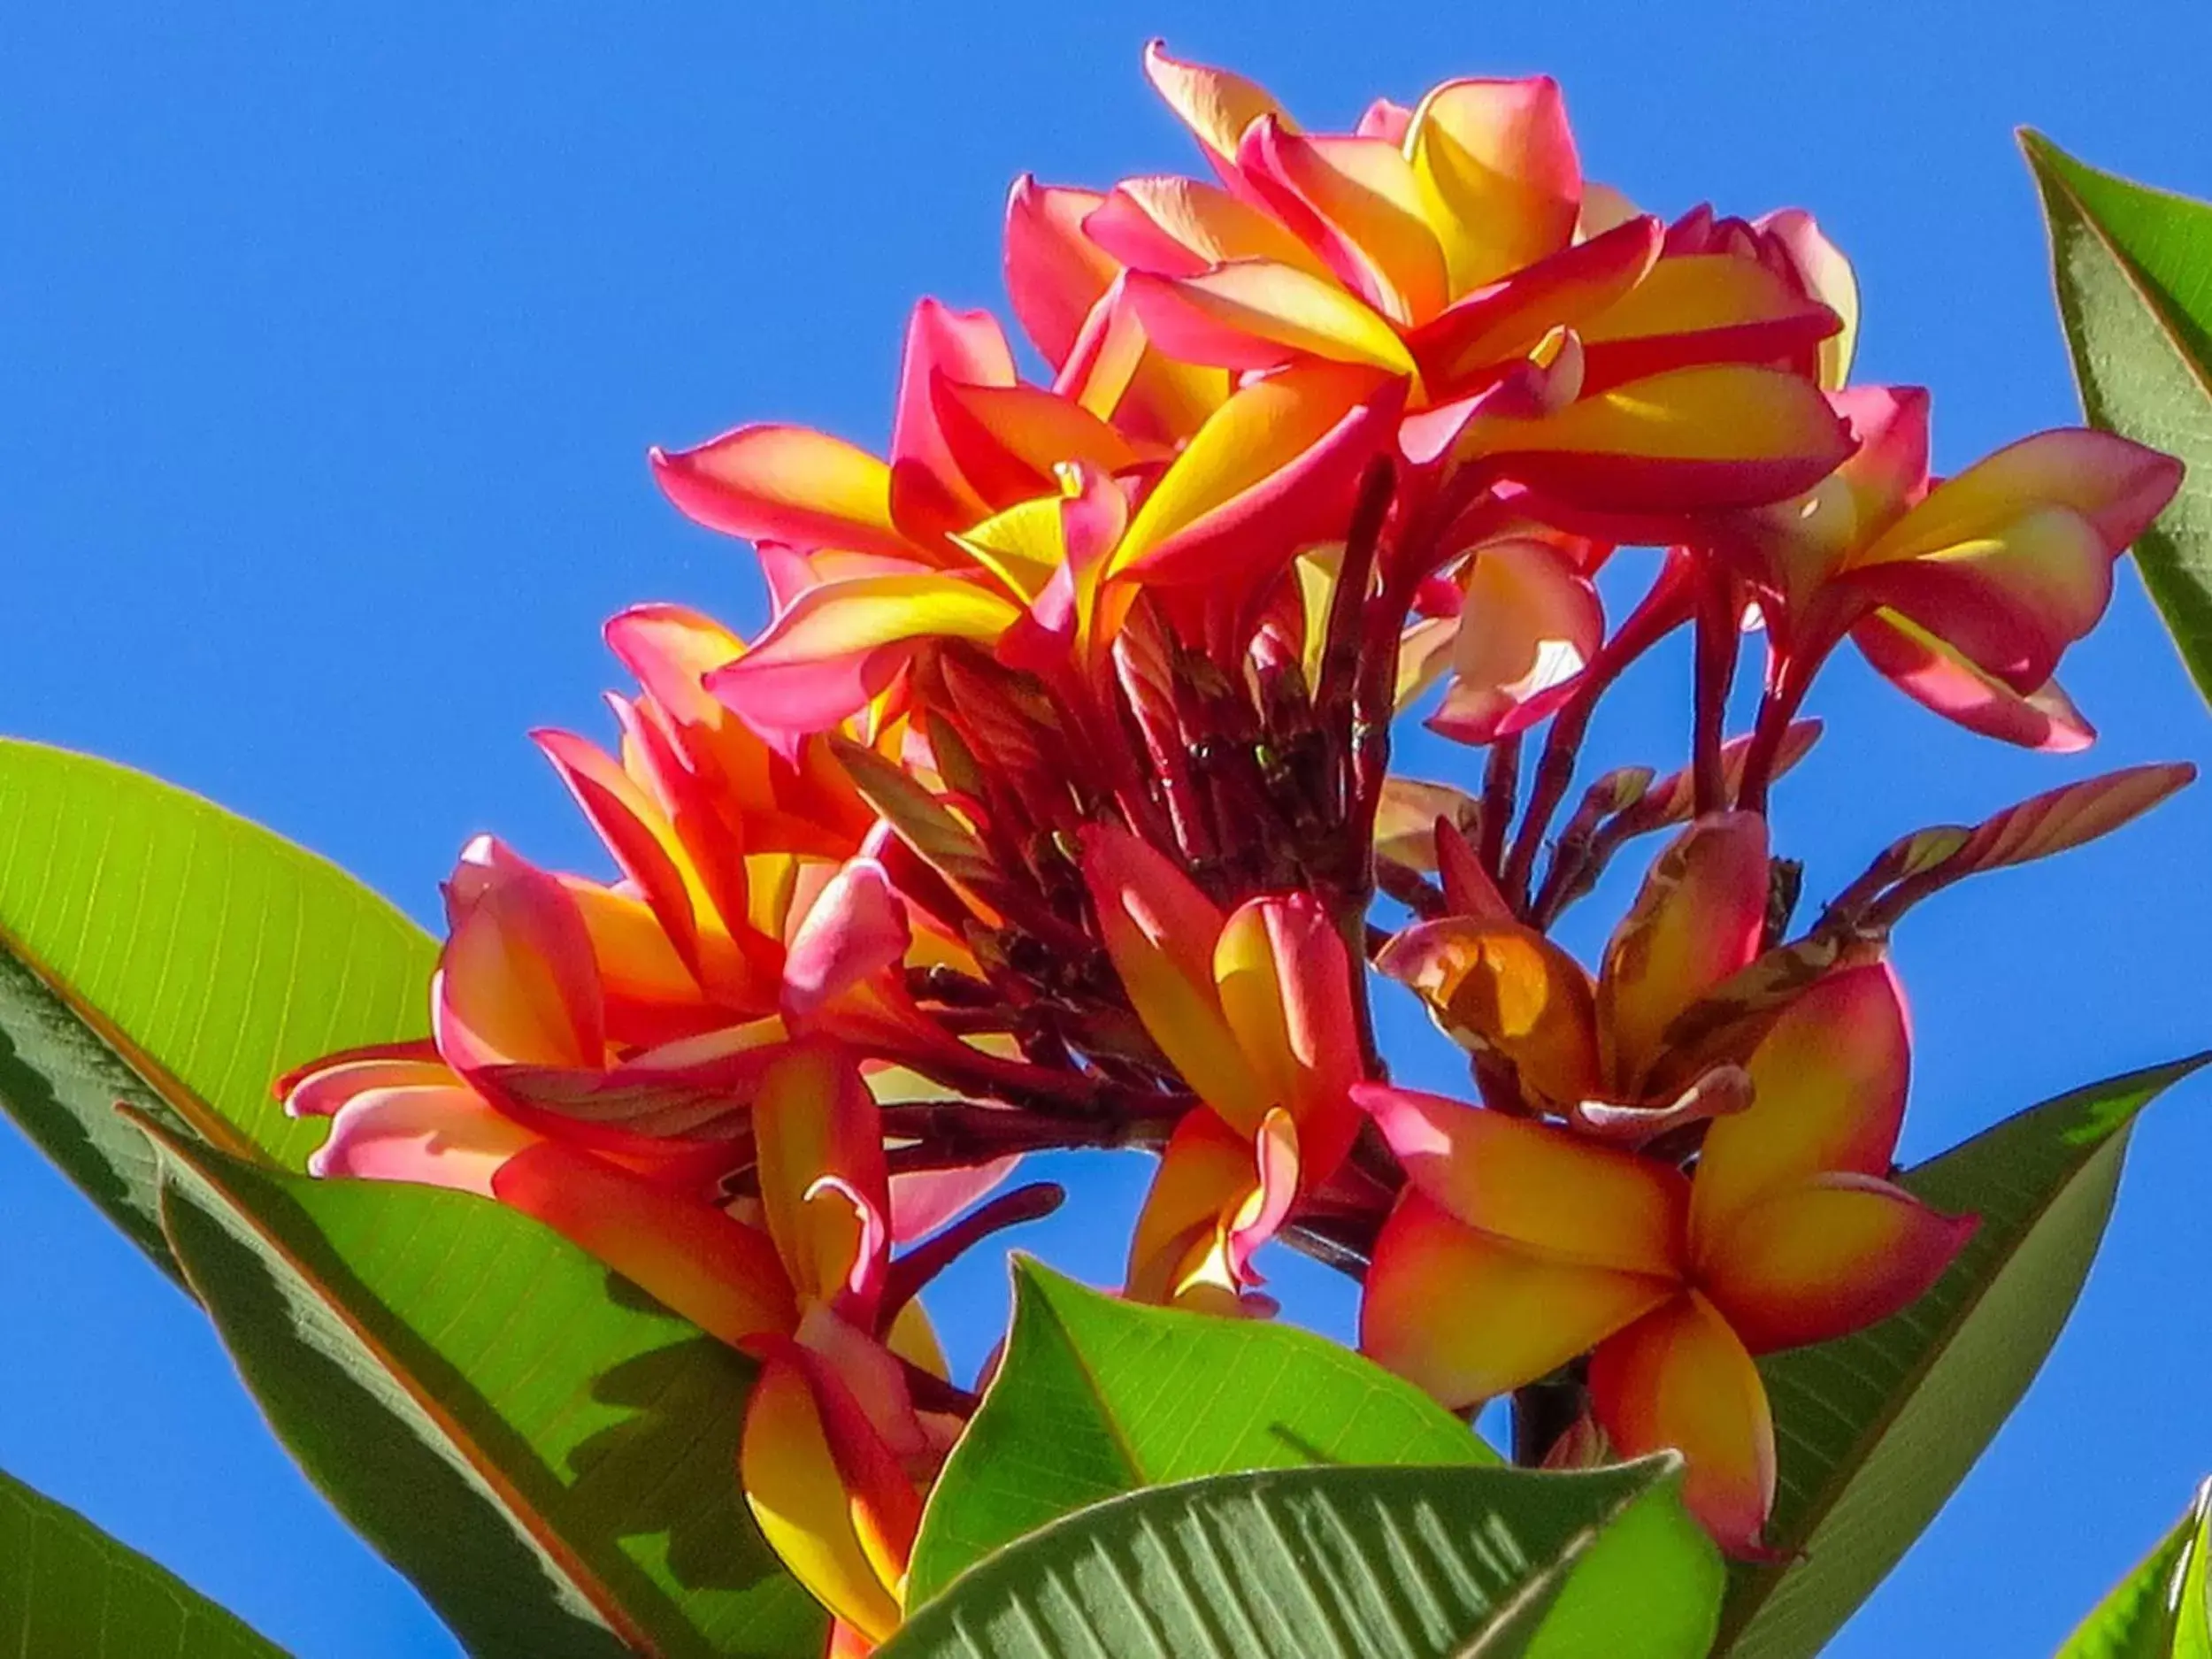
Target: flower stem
x,y
1665,608
1716,652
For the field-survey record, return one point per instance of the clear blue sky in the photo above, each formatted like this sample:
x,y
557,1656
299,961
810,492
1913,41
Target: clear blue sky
x,y
330,349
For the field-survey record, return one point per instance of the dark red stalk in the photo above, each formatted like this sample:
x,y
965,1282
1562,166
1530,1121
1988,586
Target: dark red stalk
x,y
1717,646
909,1272
1665,608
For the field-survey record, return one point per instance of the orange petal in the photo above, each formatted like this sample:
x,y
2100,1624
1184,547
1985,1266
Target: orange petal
x,y
786,484
1828,1094
1460,348
1828,278
1531,624
1218,1195
829,1497
931,491
515,983
437,1135
1698,920
1216,105
1255,314
643,841
1175,226
650,994
1498,174
815,1122
2117,485
670,649
1161,932
1272,470
1826,1257
1716,436
718,1272
1024,546
2010,603
1678,1377
1703,308
834,649
1012,440
855,931
1467,1315
1501,989
1358,202
1534,1186
1285,980
1055,273
1117,372
1937,677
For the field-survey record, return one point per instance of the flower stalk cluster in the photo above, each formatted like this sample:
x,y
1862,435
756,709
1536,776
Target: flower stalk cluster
x,y
1054,807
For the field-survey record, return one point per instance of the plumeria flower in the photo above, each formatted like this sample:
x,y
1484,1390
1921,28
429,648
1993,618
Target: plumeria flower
x,y
1548,1038
835,1452
1519,1246
1010,516
1577,374
1455,245
1963,592
832,1426
1253,1011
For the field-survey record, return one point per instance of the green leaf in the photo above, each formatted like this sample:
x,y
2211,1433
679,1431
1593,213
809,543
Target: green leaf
x,y
1098,1396
1875,1431
548,1454
2134,274
156,950
1334,1562
2158,1610
67,1587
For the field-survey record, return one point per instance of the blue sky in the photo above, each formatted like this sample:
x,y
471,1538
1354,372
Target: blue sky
x,y
331,347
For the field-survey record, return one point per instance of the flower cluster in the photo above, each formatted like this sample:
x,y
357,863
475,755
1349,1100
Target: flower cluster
x,y
1053,807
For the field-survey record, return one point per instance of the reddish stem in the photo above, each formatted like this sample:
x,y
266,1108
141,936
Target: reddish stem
x,y
906,1276
1665,608
1717,649
1501,789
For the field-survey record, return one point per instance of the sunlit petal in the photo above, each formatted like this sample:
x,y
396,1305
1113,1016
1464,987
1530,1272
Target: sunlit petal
x,y
1160,931
786,484
1698,919
718,1272
1498,174
1467,1315
1285,980
1501,989
1678,1377
515,983
1217,106
1531,625
1529,1184
1826,1256
1716,436
1259,314
1828,1095
828,1496
1937,677
1055,272
438,1135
